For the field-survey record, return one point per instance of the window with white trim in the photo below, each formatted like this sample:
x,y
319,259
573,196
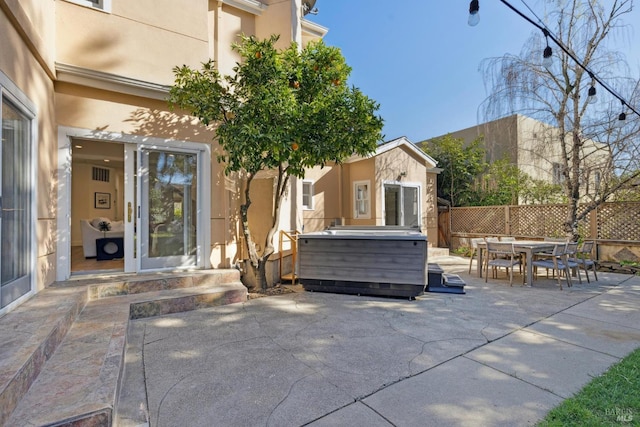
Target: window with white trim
x,y
103,5
362,199
307,195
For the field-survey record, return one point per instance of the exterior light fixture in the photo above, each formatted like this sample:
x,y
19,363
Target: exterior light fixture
x,y
622,117
592,98
547,60
474,15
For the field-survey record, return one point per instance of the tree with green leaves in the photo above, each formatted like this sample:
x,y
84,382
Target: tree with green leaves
x,y
460,165
281,110
502,183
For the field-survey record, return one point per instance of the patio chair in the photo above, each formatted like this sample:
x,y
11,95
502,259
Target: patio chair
x,y
474,250
544,254
501,255
571,252
584,260
518,255
556,261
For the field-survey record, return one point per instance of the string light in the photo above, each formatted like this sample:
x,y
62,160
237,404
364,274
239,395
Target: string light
x,y
622,117
592,98
547,59
474,14
474,7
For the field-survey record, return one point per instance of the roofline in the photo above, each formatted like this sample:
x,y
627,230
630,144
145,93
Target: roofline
x,y
313,29
394,143
252,6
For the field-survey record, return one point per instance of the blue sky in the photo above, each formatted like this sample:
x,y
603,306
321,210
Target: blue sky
x,y
420,60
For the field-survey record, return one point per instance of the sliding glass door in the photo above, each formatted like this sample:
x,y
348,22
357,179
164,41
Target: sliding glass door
x,y
402,205
15,202
169,206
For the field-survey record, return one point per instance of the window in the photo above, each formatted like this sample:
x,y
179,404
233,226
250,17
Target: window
x,y
362,199
558,173
402,205
307,195
104,5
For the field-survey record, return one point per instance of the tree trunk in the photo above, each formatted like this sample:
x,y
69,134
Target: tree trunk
x,y
258,262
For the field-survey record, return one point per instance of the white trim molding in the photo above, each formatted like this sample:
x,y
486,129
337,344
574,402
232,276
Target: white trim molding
x,y
101,5
252,6
312,29
403,141
112,82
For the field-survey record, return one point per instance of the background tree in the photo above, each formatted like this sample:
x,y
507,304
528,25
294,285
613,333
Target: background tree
x,y
558,96
500,184
460,166
282,110
538,191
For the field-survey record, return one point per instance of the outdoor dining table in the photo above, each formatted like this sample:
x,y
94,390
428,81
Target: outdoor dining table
x,y
527,247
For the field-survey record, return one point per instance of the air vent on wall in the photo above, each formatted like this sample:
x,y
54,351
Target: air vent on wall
x,y
100,174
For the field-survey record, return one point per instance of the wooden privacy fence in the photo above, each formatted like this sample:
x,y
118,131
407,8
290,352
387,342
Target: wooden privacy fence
x,y
614,226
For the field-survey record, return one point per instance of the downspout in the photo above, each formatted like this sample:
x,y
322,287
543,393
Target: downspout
x,y
340,201
296,22
296,220
214,33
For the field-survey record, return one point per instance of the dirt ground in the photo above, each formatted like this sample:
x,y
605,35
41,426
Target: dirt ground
x,y
278,289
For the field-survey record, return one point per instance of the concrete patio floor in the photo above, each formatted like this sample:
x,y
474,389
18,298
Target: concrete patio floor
x,y
497,356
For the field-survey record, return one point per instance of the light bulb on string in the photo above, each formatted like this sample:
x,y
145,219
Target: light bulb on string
x,y
622,120
592,98
474,14
547,58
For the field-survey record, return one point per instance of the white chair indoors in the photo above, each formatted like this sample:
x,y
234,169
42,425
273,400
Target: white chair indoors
x,y
91,231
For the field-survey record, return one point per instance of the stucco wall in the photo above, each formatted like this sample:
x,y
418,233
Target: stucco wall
x,y
363,170
27,64
326,199
143,39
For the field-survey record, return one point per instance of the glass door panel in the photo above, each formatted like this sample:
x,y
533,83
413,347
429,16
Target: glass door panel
x,y
15,197
392,205
410,206
169,206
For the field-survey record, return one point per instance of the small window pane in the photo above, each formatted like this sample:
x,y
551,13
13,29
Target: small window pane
x,y
307,195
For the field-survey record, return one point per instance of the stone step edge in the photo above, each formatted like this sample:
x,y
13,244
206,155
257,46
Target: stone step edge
x,y
164,303
153,284
24,375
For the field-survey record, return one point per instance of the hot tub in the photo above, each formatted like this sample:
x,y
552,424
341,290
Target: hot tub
x,y
389,261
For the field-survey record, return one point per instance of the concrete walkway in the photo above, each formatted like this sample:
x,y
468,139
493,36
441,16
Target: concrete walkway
x,y
497,356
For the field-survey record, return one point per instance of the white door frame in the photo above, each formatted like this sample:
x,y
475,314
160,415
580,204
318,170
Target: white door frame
x,y
402,184
65,139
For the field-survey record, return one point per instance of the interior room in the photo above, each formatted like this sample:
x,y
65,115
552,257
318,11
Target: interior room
x,y
97,207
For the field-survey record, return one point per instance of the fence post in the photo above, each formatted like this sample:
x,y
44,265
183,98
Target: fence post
x,y
593,223
507,220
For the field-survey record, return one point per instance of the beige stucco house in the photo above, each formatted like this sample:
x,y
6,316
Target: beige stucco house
x,y
396,185
533,146
87,135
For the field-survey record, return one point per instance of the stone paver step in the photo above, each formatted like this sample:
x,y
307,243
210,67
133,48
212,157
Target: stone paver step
x,y
79,380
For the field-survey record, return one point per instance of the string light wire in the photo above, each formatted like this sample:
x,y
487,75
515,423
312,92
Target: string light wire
x,y
553,38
